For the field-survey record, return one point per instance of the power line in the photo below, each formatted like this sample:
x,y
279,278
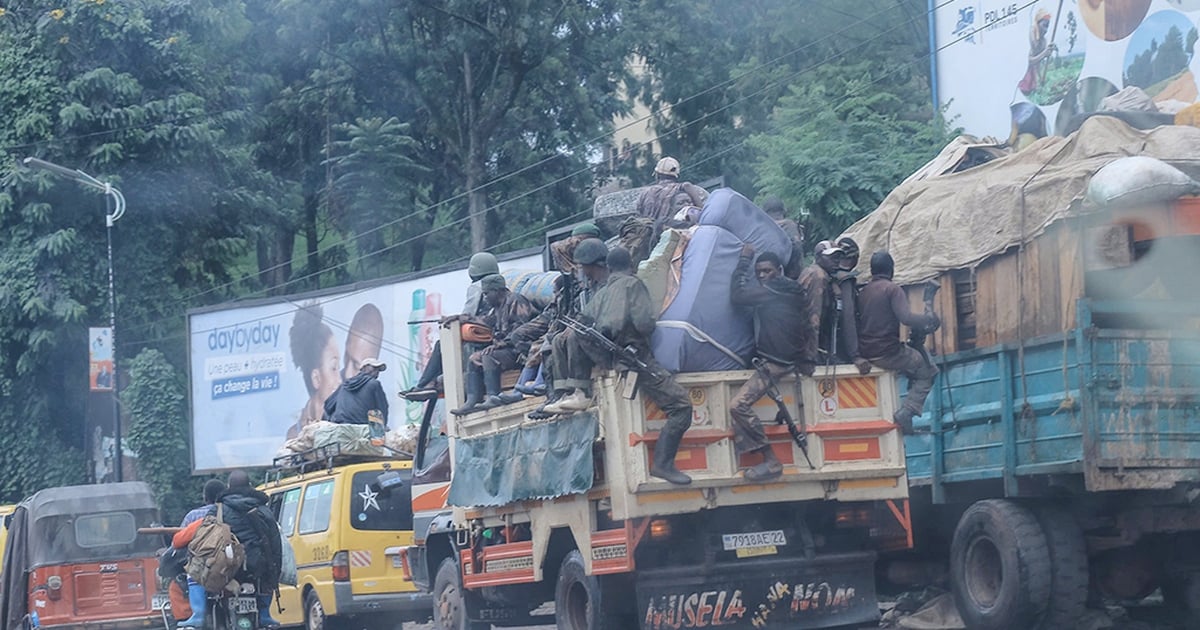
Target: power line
x,y
576,173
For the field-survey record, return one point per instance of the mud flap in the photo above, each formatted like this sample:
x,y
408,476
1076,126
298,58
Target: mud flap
x,y
827,591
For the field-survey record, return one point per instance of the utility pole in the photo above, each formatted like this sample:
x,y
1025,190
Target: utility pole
x,y
115,205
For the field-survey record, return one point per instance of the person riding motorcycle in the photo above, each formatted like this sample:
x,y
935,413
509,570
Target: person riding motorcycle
x,y
245,510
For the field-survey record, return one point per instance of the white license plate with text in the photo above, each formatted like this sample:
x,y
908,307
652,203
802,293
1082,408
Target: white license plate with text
x,y
160,601
244,605
751,540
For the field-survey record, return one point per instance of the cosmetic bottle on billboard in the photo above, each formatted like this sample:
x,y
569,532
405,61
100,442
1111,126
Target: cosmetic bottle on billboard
x,y
429,331
416,361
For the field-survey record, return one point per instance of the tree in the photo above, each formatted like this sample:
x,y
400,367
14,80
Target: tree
x,y
837,145
489,77
156,400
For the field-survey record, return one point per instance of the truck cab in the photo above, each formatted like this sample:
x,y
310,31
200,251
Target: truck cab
x,y
511,513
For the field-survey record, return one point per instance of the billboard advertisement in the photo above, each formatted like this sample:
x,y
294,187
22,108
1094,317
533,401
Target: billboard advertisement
x,y
101,373
1036,65
259,372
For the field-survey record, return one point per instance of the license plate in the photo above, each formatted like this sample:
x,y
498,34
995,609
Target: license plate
x,y
750,552
159,601
397,563
733,542
245,605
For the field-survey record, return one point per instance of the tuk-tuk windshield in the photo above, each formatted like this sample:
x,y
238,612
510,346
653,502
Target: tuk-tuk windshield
x,y
102,530
72,538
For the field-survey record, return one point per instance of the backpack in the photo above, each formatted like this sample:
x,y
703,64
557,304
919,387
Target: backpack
x,y
215,553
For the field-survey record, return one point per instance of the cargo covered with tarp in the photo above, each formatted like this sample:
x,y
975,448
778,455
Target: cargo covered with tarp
x,y
960,219
540,460
700,330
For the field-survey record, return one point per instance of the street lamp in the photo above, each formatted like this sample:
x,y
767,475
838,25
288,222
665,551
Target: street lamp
x,y
116,209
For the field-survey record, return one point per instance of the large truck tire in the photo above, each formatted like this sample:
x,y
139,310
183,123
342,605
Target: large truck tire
x,y
449,600
1068,568
999,567
581,601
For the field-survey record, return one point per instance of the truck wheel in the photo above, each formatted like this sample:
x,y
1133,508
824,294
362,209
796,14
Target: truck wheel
x,y
1068,568
999,566
580,603
449,605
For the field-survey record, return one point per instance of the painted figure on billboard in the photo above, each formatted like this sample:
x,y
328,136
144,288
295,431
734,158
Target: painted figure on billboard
x,y
1039,49
315,354
364,340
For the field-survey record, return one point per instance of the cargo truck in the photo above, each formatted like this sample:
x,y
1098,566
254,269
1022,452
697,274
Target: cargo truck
x,y
1058,459
511,514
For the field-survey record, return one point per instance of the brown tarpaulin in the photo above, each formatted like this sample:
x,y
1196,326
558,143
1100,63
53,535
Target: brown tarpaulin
x,y
957,220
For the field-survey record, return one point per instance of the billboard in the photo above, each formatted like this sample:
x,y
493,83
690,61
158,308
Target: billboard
x,y
101,373
1036,65
261,371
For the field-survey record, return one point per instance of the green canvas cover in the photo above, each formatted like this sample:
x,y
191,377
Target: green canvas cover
x,y
532,461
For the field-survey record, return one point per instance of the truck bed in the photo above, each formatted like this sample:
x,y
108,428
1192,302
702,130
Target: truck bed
x,y
1115,400
854,447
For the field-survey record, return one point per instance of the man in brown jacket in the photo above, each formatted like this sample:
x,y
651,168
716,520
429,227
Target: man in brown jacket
x,y
883,306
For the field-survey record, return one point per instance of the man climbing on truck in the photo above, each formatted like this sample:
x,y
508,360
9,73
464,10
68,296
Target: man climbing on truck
x,y
621,310
779,335
883,307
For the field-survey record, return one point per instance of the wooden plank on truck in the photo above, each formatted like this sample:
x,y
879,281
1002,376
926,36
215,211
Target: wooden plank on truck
x,y
1004,297
1070,270
985,305
1049,317
1028,286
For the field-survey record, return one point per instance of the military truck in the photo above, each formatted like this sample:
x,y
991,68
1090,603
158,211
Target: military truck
x,y
511,514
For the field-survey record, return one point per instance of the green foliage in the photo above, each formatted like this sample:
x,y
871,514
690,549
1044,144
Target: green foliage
x,y
838,144
155,403
1059,75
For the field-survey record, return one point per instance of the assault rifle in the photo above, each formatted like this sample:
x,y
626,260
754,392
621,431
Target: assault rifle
x,y
917,335
627,356
783,416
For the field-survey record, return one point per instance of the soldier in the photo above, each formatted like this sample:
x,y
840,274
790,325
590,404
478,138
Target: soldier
x,y
482,264
884,306
816,282
621,310
508,312
780,342
657,205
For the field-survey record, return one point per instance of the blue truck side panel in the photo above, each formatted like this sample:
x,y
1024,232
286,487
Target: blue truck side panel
x,y
1119,405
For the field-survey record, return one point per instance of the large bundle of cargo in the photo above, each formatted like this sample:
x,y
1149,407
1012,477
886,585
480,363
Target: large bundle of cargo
x,y
700,330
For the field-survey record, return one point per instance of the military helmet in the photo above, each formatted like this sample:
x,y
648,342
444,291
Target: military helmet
x,y
591,251
667,166
482,264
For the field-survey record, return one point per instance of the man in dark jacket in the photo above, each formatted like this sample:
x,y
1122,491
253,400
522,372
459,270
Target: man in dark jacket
x,y
354,400
245,511
883,306
780,341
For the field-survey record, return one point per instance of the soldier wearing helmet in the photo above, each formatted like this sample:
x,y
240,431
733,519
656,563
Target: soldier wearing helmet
x,y
621,310
482,264
821,309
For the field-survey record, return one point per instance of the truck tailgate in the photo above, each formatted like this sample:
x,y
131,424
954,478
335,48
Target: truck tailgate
x,y
855,450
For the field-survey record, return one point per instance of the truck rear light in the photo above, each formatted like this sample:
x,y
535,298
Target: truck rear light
x,y
852,517
341,566
54,587
660,529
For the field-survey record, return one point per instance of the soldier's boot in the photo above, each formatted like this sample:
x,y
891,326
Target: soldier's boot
x,y
474,387
491,384
665,449
578,400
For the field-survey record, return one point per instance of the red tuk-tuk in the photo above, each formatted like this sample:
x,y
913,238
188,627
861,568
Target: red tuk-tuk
x,y
74,558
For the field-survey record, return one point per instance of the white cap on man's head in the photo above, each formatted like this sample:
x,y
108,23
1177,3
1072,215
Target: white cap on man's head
x,y
375,363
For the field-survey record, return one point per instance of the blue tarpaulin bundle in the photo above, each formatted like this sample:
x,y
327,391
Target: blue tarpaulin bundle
x,y
701,331
541,461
